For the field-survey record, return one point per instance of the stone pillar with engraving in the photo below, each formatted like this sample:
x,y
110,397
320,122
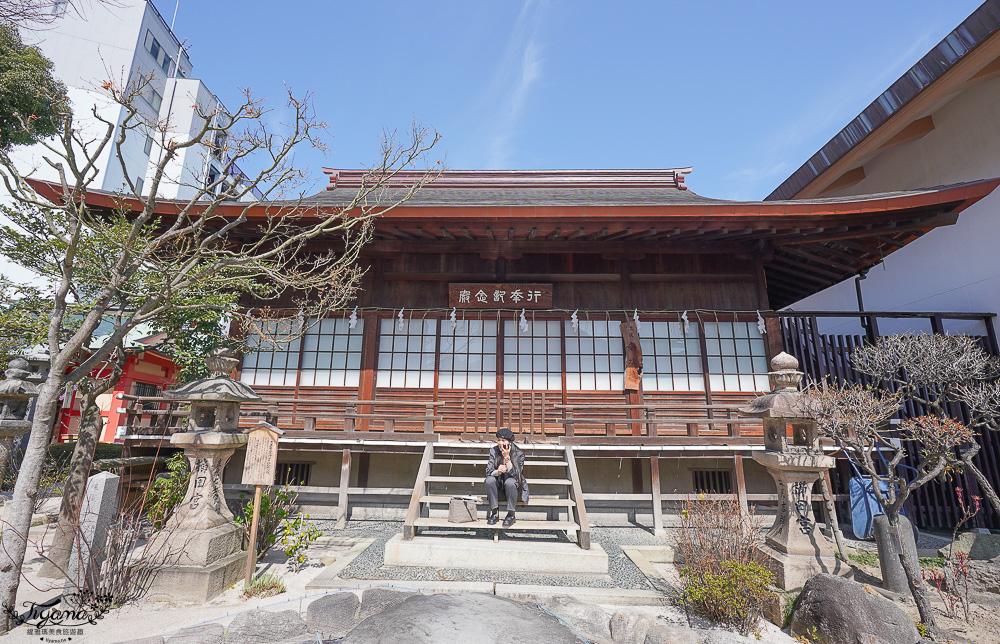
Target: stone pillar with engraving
x,y
795,548
200,550
15,403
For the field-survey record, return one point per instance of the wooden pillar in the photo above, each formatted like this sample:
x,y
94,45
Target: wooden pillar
x,y
741,484
654,479
345,481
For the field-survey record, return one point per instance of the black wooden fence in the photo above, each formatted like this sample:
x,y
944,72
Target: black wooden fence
x,y
822,353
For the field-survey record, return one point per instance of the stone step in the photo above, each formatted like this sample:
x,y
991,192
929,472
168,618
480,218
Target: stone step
x,y
479,480
522,524
533,502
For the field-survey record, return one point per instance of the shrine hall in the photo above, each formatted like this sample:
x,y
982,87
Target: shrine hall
x,y
613,319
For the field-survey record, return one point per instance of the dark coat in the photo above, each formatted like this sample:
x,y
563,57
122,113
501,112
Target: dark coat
x,y
517,467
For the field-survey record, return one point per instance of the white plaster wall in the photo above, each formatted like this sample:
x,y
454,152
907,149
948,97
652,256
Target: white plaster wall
x,y
954,268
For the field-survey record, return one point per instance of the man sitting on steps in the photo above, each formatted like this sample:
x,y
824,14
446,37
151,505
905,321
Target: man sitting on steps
x,y
505,469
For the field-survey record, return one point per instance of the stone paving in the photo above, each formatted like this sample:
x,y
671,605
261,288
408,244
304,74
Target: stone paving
x,y
622,572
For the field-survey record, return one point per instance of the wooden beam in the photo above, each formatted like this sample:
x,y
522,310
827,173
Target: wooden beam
x,y
811,268
413,512
579,509
812,256
657,492
796,274
447,235
345,481
741,484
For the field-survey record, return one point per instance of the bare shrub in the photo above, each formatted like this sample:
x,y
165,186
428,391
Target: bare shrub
x,y
723,575
717,530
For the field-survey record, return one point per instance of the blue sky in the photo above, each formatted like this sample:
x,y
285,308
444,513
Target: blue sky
x,y
743,91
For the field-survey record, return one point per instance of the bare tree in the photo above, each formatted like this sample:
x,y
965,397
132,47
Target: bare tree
x,y
856,418
144,259
38,14
940,373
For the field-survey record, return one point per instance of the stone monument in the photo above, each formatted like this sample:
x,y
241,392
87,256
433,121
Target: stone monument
x,y
201,551
98,513
795,548
15,398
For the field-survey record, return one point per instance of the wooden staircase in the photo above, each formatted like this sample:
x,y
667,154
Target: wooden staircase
x,y
448,470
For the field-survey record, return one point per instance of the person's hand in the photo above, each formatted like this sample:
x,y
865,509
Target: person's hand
x,y
502,469
505,449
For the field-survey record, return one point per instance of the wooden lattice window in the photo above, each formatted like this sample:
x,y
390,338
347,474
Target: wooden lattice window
x,y
272,361
292,473
468,355
595,358
713,481
532,359
737,359
407,352
331,353
671,357
147,390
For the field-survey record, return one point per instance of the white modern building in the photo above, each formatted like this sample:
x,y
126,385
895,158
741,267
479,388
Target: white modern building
x,y
122,42
939,124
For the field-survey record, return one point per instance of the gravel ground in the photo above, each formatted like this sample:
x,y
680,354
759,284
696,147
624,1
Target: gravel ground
x,y
623,573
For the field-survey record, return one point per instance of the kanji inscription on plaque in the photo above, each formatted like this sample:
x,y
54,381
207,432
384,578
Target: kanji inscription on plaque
x,y
262,454
500,296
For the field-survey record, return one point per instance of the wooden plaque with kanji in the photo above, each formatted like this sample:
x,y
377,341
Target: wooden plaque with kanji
x,y
262,454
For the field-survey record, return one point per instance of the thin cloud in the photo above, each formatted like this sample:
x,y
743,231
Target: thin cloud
x,y
828,112
519,70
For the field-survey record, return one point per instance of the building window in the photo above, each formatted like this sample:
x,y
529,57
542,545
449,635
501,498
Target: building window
x,y
138,185
292,473
406,353
671,357
331,354
148,147
59,7
468,355
532,359
275,360
713,481
594,356
154,98
165,65
737,360
152,45
213,176
146,390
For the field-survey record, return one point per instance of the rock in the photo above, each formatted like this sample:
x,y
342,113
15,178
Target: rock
x,y
145,640
474,617
264,627
629,629
672,634
327,560
977,545
586,618
333,614
202,634
835,610
723,637
984,576
376,600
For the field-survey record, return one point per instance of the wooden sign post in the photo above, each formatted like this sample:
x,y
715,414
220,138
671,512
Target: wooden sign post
x,y
258,470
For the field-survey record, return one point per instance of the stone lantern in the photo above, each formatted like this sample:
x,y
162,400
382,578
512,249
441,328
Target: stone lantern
x,y
15,402
795,548
202,549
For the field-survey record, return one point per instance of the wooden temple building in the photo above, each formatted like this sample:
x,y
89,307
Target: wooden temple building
x,y
613,319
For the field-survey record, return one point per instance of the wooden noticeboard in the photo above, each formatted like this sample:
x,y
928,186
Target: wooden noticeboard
x,y
262,454
500,296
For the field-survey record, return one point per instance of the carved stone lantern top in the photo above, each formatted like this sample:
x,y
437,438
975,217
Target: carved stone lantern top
x,y
215,401
15,392
218,387
784,406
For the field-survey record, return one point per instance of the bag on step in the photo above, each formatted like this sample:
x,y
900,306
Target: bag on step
x,y
462,509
